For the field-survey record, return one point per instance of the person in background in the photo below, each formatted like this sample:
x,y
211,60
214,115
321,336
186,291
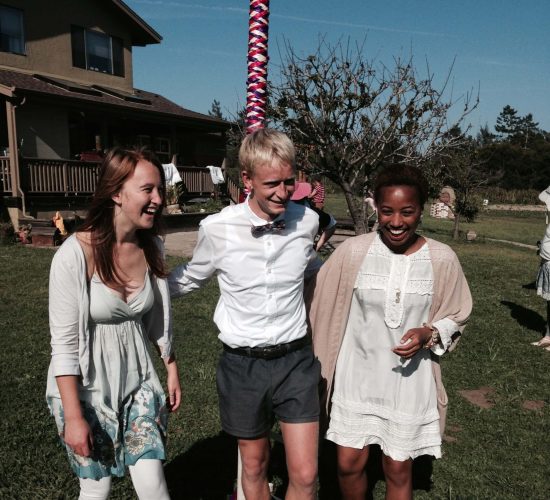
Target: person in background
x,y
384,307
108,298
261,251
327,223
444,206
543,276
243,194
317,195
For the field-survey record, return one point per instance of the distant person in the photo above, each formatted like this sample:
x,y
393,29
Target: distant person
x,y
369,200
543,276
327,223
261,251
385,306
108,298
443,207
243,194
317,195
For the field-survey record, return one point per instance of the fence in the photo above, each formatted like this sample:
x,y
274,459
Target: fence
x,y
5,175
196,179
199,180
73,178
67,177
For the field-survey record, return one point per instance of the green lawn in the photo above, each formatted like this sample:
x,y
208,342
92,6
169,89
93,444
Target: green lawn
x,y
523,227
500,452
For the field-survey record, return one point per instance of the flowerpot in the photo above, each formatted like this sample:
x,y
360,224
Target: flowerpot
x,y
172,209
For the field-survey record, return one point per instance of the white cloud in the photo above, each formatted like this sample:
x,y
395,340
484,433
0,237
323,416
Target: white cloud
x,y
239,10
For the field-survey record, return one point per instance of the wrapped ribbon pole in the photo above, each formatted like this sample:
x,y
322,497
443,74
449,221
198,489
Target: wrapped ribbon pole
x,y
256,85
256,99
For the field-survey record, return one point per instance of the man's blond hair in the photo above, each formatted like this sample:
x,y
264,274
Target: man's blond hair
x,y
266,147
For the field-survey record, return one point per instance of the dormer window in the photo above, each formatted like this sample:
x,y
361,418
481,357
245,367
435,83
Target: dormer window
x,y
97,51
12,37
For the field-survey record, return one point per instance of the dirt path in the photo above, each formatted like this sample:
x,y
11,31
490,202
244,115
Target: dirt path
x,y
516,208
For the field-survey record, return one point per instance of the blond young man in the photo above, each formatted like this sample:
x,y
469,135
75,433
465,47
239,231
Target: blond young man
x,y
261,251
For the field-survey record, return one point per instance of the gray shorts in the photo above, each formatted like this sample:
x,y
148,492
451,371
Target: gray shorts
x,y
252,391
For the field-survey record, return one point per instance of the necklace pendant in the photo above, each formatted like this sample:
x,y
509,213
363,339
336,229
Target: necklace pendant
x,y
397,296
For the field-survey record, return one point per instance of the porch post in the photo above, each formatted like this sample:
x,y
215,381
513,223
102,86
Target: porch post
x,y
16,192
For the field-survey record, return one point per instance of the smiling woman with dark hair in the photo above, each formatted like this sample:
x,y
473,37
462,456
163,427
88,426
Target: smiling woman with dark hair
x,y
385,306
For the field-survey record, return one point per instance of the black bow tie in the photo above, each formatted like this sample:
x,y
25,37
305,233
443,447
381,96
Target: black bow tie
x,y
274,227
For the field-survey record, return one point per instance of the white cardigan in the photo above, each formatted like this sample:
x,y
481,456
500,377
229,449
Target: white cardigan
x,y
69,311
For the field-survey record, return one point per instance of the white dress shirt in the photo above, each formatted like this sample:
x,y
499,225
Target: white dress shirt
x,y
261,278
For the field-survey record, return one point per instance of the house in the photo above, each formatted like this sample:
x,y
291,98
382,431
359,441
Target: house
x,y
66,84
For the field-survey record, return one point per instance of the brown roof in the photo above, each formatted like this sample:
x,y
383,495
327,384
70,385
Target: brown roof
x,y
13,83
143,34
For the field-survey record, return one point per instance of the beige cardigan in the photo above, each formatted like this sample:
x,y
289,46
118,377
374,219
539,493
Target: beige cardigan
x,y
329,301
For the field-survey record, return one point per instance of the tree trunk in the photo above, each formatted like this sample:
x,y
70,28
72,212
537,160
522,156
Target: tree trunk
x,y
456,233
355,211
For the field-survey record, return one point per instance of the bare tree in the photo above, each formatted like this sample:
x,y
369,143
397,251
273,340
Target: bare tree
x,y
349,116
465,169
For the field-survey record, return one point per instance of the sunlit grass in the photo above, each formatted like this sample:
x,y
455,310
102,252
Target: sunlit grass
x,y
502,452
523,227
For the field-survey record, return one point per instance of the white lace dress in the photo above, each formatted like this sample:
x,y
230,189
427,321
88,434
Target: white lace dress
x,y
379,397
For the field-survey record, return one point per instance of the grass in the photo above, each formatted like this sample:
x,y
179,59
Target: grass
x,y
501,452
523,227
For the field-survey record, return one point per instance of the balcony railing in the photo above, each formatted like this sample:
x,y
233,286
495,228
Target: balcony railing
x,y
199,180
5,175
67,177
74,178
196,180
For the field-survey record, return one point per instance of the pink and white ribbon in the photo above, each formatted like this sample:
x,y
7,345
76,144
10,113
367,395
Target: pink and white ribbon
x,y
256,93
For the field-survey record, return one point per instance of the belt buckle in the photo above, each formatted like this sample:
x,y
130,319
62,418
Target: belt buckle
x,y
271,352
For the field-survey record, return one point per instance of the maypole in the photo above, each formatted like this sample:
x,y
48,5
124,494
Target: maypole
x,y
256,84
256,99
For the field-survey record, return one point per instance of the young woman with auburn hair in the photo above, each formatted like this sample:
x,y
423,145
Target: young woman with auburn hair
x,y
108,298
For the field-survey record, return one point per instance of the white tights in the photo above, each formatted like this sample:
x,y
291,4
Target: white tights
x,y
147,477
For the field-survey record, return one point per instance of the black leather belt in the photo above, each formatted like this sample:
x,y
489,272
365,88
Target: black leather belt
x,y
271,351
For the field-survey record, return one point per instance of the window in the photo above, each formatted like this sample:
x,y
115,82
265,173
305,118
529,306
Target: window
x,y
144,140
12,38
162,149
97,51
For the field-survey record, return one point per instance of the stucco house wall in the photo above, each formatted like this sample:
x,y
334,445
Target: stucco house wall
x,y
48,39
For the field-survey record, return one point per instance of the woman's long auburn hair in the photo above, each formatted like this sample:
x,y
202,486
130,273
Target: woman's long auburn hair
x,y
118,165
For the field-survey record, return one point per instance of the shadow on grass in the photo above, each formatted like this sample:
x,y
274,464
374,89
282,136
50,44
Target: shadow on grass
x,y
422,472
206,471
530,286
525,317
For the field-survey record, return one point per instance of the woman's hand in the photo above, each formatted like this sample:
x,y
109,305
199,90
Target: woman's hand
x,y
77,433
78,436
414,340
173,399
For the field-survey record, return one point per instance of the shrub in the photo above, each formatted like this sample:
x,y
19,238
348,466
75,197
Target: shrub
x,y
7,233
469,207
509,196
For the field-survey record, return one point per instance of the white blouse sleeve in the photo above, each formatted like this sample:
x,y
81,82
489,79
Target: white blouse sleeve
x,y
64,311
446,328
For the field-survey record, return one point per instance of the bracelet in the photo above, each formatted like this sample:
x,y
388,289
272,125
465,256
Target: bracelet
x,y
434,339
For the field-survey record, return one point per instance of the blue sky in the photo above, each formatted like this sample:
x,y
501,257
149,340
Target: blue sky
x,y
501,47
